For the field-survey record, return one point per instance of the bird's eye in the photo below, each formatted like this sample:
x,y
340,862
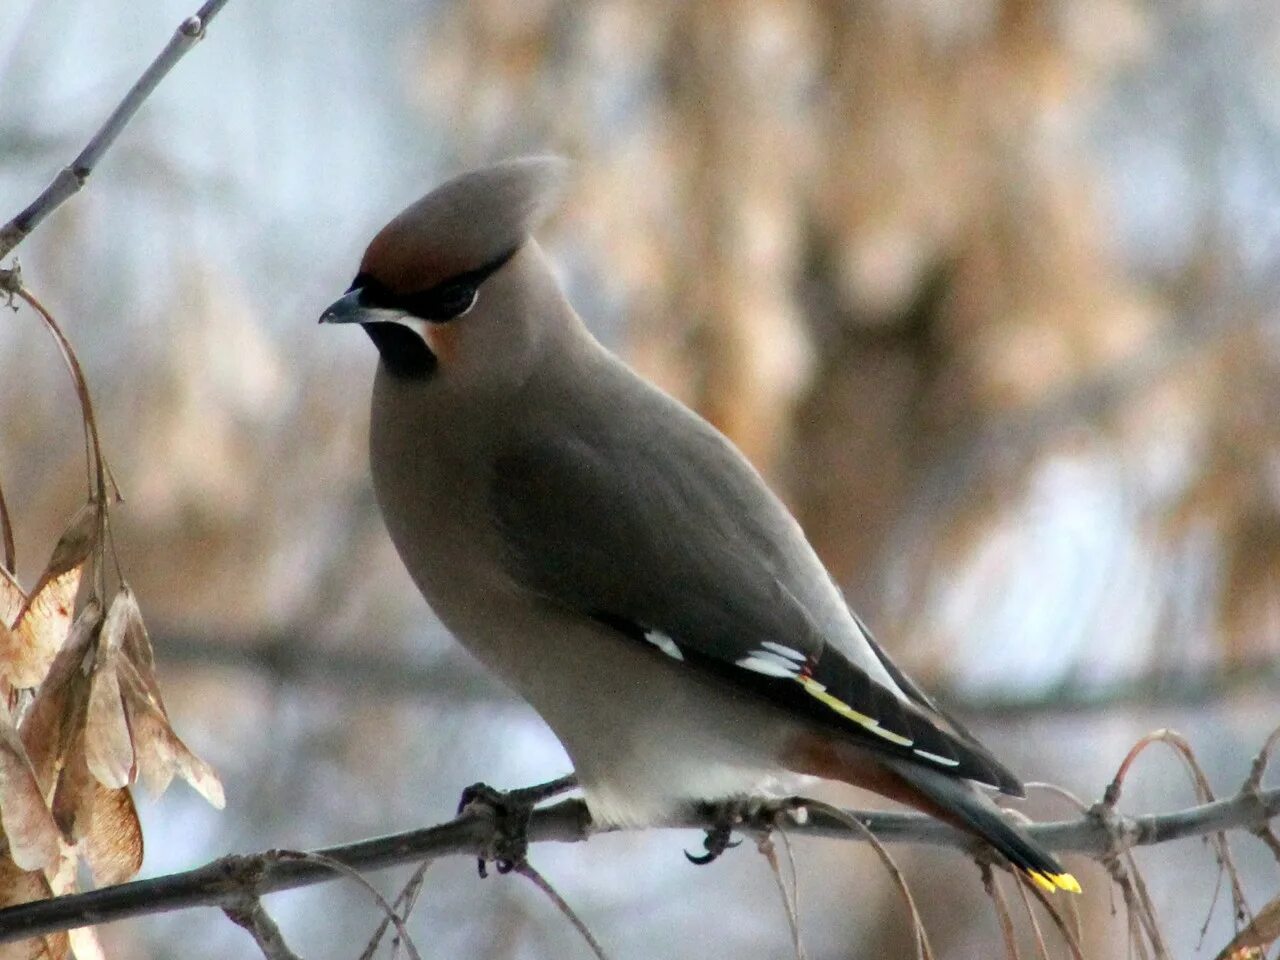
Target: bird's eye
x,y
453,300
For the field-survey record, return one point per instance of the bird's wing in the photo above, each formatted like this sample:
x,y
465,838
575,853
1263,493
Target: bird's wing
x,y
664,532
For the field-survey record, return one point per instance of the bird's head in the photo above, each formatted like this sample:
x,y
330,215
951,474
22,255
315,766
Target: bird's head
x,y
455,279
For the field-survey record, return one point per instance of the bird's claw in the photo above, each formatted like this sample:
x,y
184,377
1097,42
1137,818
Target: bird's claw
x,y
759,814
510,811
716,842
510,842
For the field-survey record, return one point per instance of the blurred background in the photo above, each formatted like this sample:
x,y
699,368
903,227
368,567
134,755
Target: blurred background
x,y
987,289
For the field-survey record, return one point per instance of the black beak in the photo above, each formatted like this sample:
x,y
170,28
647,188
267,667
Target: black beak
x,y
349,308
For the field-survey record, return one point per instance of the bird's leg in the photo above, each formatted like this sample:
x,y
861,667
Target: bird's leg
x,y
510,810
758,813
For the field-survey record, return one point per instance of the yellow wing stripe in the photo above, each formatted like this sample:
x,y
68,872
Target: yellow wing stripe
x,y
1049,882
819,692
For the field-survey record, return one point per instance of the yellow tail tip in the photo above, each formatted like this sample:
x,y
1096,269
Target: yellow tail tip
x,y
1049,882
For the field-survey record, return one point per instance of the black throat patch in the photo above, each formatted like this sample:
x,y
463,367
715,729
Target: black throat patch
x,y
403,352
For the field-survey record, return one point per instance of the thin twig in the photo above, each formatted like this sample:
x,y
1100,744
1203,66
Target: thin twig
x,y
1217,839
923,949
347,871
1077,921
1139,930
991,884
248,913
404,901
97,480
1050,907
767,849
1253,786
1147,914
73,176
1042,949
526,870
795,885
1259,767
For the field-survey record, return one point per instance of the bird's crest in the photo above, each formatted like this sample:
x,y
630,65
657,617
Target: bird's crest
x,y
463,224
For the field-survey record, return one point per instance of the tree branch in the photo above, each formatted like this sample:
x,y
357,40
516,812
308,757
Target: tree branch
x,y
72,177
249,915
1100,834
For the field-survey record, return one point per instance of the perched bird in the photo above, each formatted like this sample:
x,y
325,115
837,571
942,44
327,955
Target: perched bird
x,y
610,555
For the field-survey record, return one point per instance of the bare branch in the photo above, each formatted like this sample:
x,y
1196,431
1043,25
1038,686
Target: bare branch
x,y
248,913
230,879
73,176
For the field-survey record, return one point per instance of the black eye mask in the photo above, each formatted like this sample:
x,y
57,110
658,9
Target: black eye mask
x,y
441,303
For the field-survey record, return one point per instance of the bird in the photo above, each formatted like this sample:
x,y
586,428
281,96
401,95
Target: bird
x,y
611,556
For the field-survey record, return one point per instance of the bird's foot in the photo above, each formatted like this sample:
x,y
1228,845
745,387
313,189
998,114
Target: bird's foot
x,y
510,811
758,813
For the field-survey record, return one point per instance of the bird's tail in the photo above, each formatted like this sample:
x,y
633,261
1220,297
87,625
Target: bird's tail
x,y
959,803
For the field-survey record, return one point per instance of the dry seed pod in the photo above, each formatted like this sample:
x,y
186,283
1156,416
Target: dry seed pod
x,y
29,828
108,742
112,844
45,617
12,598
161,752
137,645
56,718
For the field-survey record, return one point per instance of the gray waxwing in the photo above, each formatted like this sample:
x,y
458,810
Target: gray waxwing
x,y
611,556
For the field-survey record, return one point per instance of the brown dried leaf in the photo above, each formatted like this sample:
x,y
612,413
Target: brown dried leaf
x,y
28,825
74,797
155,760
75,545
161,752
9,700
21,886
108,743
41,631
12,598
1253,940
113,842
108,746
56,717
137,645
44,619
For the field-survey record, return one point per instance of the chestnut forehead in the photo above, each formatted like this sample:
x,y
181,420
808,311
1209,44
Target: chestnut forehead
x,y
405,260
